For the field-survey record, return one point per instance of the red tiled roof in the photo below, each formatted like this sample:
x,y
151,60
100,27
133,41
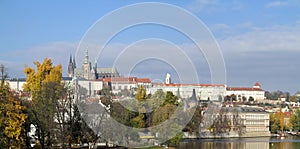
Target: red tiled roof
x,y
126,80
144,80
92,100
206,85
243,89
256,83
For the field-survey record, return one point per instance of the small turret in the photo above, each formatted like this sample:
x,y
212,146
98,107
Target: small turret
x,y
256,85
168,78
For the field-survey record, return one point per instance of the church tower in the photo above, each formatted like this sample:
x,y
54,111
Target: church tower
x,y
71,67
168,79
95,74
86,66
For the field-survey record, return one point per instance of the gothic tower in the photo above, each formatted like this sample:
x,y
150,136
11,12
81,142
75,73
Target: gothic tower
x,y
86,66
95,74
71,67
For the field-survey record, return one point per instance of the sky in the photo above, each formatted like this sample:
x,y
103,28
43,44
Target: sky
x,y
259,39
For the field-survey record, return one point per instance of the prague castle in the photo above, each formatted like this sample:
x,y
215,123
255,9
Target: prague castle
x,y
89,71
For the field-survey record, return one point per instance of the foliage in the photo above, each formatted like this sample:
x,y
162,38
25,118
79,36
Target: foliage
x,y
175,140
276,95
141,94
170,99
294,98
221,123
163,113
45,87
194,123
295,120
12,116
251,98
277,121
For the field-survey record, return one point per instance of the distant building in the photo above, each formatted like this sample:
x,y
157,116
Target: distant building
x,y
118,84
247,93
203,91
17,83
243,122
256,121
89,72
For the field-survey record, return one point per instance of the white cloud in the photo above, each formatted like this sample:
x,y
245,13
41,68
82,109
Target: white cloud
x,y
203,6
278,38
59,52
211,6
276,4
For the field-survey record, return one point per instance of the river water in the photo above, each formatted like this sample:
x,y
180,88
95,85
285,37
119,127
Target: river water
x,y
290,142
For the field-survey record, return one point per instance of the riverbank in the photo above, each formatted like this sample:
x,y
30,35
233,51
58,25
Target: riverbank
x,y
290,142
208,135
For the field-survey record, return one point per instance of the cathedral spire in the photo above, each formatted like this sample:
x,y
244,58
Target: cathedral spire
x,y
74,63
70,61
70,67
86,59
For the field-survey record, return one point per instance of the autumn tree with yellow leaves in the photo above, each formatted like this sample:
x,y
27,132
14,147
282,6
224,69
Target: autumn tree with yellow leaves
x,y
44,85
12,115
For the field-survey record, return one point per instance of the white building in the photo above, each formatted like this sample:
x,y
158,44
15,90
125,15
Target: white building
x,y
17,83
247,92
91,87
244,121
256,121
203,91
117,84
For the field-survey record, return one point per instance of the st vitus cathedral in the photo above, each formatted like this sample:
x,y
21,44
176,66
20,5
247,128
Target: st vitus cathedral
x,y
89,72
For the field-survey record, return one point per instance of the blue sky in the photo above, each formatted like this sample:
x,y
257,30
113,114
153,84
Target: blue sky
x,y
260,39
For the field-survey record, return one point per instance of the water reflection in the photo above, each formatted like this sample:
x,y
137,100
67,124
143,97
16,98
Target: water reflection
x,y
242,143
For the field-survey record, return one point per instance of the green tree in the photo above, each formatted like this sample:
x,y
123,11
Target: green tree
x,y
194,123
295,120
12,116
162,113
294,98
170,98
251,98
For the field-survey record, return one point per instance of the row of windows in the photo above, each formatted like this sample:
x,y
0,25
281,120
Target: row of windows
x,y
257,129
256,117
255,122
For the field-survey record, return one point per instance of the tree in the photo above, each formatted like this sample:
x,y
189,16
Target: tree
x,y
295,120
274,123
194,123
294,98
45,86
251,99
170,98
280,116
165,112
221,123
12,116
277,121
141,94
244,99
